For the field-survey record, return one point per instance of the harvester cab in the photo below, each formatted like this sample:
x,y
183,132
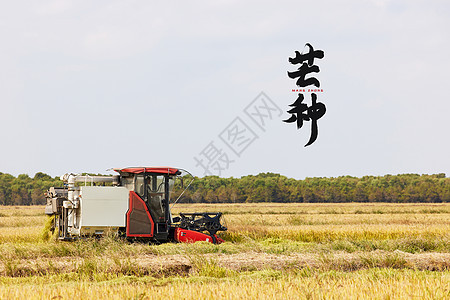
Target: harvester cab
x,y
135,204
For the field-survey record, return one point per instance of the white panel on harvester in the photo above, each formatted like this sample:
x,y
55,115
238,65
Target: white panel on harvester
x,y
103,206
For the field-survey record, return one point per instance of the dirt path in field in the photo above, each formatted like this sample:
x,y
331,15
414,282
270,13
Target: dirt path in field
x,y
167,265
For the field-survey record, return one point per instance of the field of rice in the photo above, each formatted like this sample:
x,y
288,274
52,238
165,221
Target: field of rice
x,y
272,251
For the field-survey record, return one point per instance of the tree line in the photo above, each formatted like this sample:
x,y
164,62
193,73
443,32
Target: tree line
x,y
264,187
270,187
25,190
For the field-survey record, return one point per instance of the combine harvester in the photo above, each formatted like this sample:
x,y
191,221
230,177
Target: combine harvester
x,y
135,205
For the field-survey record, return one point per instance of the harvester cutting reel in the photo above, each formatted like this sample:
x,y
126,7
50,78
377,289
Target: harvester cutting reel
x,y
210,222
201,222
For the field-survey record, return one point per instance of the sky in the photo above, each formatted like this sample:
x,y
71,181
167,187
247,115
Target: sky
x,y
86,86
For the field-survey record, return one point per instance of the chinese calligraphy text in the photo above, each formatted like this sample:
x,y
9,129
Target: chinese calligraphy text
x,y
300,111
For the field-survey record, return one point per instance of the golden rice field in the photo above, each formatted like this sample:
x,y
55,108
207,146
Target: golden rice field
x,y
272,251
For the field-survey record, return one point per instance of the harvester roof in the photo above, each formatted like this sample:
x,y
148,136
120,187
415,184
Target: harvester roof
x,y
158,170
